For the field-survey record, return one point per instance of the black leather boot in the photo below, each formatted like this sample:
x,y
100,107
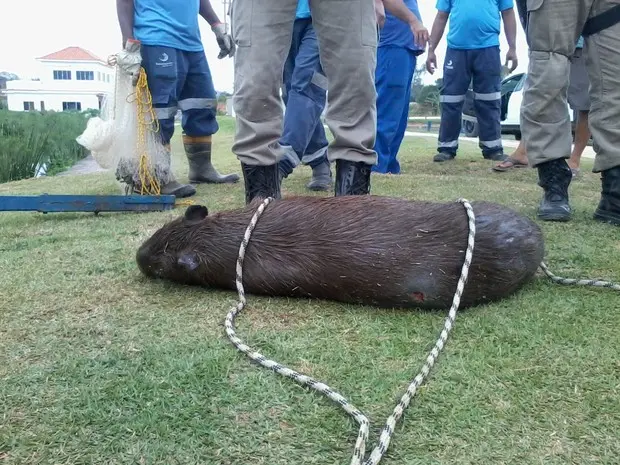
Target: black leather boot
x,y
608,210
554,177
261,181
352,178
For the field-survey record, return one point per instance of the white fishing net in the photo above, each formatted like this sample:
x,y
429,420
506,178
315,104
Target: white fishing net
x,y
125,137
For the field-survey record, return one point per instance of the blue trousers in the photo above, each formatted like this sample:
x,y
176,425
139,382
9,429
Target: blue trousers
x,y
393,76
304,94
484,66
180,80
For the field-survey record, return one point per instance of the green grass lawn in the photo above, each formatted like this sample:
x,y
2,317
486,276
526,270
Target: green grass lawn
x,y
98,365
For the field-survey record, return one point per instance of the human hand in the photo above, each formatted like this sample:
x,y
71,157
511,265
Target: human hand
x,y
431,61
129,60
511,56
420,34
224,40
380,13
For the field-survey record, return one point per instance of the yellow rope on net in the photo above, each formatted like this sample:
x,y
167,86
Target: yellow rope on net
x,y
147,121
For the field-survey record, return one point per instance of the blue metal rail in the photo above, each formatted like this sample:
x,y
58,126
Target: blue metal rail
x,y
47,203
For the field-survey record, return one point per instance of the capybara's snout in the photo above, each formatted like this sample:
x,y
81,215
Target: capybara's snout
x,y
151,260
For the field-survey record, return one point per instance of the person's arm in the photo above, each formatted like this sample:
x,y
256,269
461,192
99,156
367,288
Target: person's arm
x,y
125,12
224,40
380,13
510,29
129,58
207,12
400,10
439,26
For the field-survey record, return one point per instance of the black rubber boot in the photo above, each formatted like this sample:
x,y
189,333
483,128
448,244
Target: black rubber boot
x,y
261,181
443,156
554,177
201,170
177,189
321,177
496,156
608,210
352,178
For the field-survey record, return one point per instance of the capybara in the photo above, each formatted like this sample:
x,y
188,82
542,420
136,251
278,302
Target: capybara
x,y
381,251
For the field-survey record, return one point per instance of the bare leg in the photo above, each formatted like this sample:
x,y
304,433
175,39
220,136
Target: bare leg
x,y
582,135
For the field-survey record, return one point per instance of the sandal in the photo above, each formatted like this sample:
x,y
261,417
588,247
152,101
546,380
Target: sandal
x,y
509,163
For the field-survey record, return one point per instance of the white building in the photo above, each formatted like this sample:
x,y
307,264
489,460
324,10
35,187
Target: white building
x,y
70,79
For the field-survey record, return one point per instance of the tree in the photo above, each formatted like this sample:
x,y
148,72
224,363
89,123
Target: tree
x,y
223,96
416,83
6,76
428,99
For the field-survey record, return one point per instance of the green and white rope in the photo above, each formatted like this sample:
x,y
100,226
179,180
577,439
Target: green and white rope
x,y
360,445
359,451
578,282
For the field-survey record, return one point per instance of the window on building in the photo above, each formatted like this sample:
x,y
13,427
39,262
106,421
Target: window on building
x,y
71,106
85,75
28,106
62,75
98,75
42,105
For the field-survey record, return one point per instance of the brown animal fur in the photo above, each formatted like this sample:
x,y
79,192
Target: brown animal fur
x,y
381,251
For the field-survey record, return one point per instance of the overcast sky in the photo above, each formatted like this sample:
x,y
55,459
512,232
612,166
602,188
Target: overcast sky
x,y
35,28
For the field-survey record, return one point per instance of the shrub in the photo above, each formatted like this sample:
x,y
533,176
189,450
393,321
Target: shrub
x,y
33,140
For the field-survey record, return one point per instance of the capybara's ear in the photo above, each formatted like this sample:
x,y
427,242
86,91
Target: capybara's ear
x,y
196,212
189,261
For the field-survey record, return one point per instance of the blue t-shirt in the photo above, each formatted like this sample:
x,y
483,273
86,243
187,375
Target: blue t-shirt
x,y
168,23
303,10
397,33
474,23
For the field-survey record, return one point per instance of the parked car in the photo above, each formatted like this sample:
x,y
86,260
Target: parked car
x,y
512,95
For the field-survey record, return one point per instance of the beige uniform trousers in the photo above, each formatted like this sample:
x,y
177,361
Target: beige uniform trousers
x,y
554,26
347,36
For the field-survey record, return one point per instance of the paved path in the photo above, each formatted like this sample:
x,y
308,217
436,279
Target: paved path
x,y
84,166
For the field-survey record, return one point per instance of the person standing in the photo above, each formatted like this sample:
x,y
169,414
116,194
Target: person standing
x,y
304,92
396,62
347,37
553,27
473,53
163,36
579,102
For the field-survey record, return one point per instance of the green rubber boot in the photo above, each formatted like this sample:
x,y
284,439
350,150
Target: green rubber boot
x,y
201,170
